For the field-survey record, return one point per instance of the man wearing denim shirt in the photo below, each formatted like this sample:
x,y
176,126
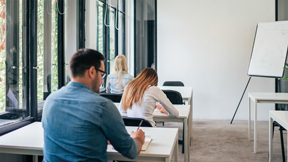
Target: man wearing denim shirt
x,y
77,122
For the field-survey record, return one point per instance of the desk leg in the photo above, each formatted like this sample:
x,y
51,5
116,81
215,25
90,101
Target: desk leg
x,y
35,158
190,123
176,149
249,119
271,139
185,142
255,126
190,128
191,117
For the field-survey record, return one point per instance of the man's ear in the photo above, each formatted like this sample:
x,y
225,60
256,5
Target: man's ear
x,y
91,72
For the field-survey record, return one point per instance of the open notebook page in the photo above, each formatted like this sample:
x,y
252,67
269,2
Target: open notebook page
x,y
148,139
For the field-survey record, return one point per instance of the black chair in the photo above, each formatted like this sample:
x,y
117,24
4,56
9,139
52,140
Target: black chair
x,y
135,122
275,124
281,86
175,98
173,83
112,96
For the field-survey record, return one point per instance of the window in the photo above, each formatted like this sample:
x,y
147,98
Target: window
x,y
110,31
47,80
145,35
13,74
28,59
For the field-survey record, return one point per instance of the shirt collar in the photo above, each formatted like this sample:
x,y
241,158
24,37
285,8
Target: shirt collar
x,y
78,85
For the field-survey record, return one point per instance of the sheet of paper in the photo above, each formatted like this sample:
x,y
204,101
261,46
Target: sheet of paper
x,y
146,143
148,140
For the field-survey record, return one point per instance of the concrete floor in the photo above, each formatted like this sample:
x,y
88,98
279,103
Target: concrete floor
x,y
220,141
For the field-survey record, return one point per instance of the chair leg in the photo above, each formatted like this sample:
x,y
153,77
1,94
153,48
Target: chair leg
x,y
282,143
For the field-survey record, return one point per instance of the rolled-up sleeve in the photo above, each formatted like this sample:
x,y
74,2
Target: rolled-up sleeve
x,y
114,129
165,102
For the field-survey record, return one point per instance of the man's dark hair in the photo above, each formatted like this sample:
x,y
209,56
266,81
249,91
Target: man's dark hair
x,y
83,59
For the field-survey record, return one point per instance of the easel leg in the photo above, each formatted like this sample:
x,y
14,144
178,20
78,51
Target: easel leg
x,y
240,100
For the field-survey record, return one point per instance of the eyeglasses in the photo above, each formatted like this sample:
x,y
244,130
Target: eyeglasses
x,y
103,73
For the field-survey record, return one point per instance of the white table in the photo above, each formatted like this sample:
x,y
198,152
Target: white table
x,y
261,97
164,141
29,140
184,111
280,117
187,95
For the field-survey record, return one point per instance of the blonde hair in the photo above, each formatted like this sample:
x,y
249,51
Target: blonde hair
x,y
134,91
120,66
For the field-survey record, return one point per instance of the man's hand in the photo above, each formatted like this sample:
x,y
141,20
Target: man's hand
x,y
161,109
139,136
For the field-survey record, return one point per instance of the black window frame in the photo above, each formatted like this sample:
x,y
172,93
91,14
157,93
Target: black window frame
x,y
106,32
29,54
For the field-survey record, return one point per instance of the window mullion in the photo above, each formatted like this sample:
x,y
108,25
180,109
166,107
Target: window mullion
x,y
61,44
33,58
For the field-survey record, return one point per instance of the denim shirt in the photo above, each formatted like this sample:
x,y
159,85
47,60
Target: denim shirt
x,y
113,82
77,124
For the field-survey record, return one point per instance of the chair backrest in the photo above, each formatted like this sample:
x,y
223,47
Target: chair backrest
x,y
135,122
174,96
112,96
173,83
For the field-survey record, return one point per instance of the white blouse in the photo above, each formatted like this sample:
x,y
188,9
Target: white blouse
x,y
152,95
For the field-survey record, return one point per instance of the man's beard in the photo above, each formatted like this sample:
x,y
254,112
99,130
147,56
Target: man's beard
x,y
96,89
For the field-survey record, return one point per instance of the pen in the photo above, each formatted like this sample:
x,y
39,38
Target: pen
x,y
140,124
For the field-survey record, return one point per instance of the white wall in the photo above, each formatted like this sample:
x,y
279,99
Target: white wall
x,y
70,32
90,24
129,35
207,44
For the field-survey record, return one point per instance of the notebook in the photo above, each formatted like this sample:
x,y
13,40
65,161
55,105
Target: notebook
x,y
148,140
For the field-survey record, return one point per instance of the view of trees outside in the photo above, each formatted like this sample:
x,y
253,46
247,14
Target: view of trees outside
x,y
2,54
100,26
109,18
54,47
112,42
40,50
40,47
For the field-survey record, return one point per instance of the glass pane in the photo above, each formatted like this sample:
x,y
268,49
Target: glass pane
x,y
121,34
40,50
100,27
112,41
12,105
2,56
145,34
47,80
54,50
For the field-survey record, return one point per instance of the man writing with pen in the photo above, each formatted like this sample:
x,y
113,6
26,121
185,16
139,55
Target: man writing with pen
x,y
78,122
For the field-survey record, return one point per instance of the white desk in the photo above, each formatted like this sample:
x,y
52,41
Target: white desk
x,y
280,117
184,111
187,94
280,98
164,141
29,140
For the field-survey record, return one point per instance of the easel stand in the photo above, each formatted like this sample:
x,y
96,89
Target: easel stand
x,y
240,100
